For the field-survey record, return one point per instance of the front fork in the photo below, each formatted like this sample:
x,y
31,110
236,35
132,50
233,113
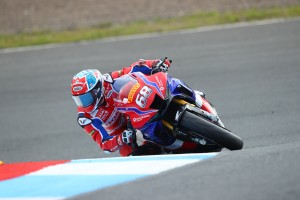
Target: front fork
x,y
188,107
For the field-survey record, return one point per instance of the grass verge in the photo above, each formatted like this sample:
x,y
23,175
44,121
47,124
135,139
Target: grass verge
x,y
157,25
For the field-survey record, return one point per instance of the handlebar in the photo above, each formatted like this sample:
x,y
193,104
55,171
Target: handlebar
x,y
163,61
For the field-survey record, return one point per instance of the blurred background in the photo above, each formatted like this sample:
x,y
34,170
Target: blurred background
x,y
56,15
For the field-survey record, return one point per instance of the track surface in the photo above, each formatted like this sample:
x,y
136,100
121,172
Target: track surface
x,y
251,74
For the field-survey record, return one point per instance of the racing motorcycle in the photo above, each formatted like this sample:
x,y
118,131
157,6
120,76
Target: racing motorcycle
x,y
162,107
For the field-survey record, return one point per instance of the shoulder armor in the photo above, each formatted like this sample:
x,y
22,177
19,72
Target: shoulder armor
x,y
108,78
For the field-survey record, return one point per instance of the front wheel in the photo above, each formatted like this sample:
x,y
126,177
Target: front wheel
x,y
204,128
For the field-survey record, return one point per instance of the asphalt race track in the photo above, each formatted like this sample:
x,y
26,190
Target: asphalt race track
x,y
251,74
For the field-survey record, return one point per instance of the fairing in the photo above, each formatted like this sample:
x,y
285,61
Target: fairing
x,y
137,95
139,99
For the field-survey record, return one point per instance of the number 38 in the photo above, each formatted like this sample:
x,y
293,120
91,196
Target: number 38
x,y
141,98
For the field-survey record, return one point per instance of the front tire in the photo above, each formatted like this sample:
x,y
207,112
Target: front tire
x,y
202,127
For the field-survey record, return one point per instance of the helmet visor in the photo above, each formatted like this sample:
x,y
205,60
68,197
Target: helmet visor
x,y
86,99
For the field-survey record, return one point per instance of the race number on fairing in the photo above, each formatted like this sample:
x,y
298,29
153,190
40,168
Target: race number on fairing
x,y
141,98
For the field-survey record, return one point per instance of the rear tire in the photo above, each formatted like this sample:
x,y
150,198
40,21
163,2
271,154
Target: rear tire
x,y
203,127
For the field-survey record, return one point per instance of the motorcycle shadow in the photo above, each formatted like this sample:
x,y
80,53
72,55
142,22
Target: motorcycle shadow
x,y
153,149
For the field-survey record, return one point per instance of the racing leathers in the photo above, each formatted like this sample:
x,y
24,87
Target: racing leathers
x,y
105,124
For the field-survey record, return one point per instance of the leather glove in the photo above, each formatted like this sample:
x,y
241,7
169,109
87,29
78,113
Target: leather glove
x,y
161,65
126,137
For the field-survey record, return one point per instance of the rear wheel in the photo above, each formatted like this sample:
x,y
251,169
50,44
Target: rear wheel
x,y
204,128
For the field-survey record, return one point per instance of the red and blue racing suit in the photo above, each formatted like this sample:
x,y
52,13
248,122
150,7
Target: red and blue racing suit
x,y
105,124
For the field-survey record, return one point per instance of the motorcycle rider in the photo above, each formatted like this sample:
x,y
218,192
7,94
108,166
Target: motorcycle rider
x,y
94,95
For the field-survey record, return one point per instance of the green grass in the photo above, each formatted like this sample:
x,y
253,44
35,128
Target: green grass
x,y
138,27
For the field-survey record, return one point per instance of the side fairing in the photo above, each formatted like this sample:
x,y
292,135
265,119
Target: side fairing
x,y
137,97
156,132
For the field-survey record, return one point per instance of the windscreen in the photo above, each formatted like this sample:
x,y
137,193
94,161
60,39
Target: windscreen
x,y
123,86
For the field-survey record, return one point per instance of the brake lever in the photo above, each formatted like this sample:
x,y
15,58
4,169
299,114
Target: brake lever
x,y
162,62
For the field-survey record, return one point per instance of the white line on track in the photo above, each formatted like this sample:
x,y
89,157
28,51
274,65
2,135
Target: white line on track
x,y
152,35
80,176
